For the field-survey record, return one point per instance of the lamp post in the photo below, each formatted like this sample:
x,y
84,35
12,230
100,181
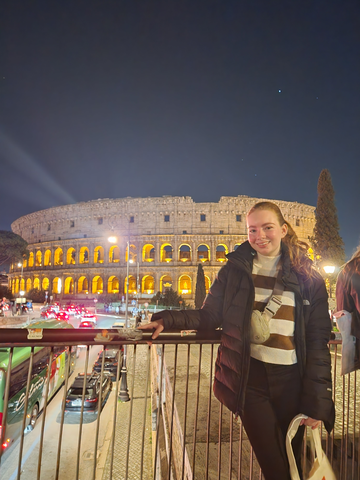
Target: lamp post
x,y
329,270
123,391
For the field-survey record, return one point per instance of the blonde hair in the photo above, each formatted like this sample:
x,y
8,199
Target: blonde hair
x,y
298,250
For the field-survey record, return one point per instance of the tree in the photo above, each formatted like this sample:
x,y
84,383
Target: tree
x,y
12,247
200,290
327,242
36,295
170,298
5,292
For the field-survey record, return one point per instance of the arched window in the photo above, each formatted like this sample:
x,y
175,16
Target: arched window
x,y
84,255
185,253
38,259
165,283
56,285
221,251
97,285
132,284
148,253
166,253
148,284
17,285
133,254
47,258
207,283
69,286
45,284
114,254
36,283
58,256
203,253
236,246
28,284
83,285
113,285
184,285
31,259
99,255
25,263
70,256
22,285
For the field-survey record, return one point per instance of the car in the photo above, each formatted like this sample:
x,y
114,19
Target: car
x,y
86,324
93,386
55,307
88,317
62,315
48,313
113,356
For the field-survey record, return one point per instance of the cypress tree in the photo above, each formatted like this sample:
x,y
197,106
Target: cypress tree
x,y
327,241
200,291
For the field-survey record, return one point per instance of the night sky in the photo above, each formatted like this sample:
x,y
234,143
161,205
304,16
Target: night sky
x,y
109,99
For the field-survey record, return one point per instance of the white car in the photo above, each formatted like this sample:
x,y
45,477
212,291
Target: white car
x,y
89,317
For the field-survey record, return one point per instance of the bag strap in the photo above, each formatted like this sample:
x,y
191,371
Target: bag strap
x,y
275,301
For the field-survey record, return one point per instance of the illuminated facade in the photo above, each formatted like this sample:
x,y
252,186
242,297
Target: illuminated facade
x,y
71,255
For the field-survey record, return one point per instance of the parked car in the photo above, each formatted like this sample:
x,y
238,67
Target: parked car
x,y
62,315
48,313
87,324
93,386
113,356
89,317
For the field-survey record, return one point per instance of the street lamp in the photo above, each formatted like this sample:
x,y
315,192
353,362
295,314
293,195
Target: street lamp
x,y
123,392
329,270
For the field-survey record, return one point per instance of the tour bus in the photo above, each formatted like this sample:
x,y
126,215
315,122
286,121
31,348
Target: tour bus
x,y
37,388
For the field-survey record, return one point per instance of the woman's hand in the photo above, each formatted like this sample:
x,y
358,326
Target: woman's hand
x,y
310,422
157,325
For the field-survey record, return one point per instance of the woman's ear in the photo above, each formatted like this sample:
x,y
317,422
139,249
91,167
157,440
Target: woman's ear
x,y
284,230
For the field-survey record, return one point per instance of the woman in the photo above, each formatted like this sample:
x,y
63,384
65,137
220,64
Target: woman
x,y
348,302
267,384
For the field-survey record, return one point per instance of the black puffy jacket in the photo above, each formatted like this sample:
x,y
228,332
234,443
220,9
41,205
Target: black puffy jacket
x,y
229,304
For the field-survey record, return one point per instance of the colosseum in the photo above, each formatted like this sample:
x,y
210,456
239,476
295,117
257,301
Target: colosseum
x,y
80,251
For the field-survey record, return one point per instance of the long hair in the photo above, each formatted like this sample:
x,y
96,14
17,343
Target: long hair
x,y
353,265
298,250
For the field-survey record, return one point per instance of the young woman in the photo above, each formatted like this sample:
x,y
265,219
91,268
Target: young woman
x,y
267,384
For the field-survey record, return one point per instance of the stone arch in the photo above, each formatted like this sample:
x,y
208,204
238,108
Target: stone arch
x,y
97,284
70,256
113,285
148,253
207,283
114,254
166,283
47,258
99,254
221,251
45,283
38,259
184,284
133,255
132,284
236,246
17,285
83,285
22,285
56,285
31,259
166,252
148,283
84,255
58,256
69,286
36,283
184,253
28,285
203,253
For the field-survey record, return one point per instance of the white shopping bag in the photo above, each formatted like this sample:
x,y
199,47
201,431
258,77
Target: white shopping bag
x,y
321,469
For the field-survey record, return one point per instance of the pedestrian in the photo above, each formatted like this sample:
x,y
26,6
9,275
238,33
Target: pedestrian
x,y
348,310
267,383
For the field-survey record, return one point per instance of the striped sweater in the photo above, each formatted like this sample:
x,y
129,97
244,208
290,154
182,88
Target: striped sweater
x,y
280,347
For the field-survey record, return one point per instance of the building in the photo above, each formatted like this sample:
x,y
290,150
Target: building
x,y
71,255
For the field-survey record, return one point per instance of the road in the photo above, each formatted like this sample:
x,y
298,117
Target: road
x,y
70,433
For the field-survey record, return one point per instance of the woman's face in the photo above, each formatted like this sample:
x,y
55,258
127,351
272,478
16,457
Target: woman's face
x,y
265,232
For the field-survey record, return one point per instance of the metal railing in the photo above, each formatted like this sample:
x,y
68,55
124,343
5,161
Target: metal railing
x,y
172,427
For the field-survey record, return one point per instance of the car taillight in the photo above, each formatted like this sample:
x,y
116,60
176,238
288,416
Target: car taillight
x,y
91,400
7,441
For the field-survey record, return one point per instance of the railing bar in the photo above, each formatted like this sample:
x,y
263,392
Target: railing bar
x,y
82,412
158,410
196,409
231,443
67,369
334,399
44,412
343,426
347,421
208,416
219,441
251,463
6,400
99,408
25,411
172,411
118,370
240,448
185,411
145,412
130,413
354,426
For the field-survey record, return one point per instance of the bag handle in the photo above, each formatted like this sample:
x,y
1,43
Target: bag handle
x,y
293,428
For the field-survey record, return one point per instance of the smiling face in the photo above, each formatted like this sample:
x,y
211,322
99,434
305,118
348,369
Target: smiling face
x,y
265,232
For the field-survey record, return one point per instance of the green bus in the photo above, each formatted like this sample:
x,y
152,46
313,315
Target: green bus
x,y
37,388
